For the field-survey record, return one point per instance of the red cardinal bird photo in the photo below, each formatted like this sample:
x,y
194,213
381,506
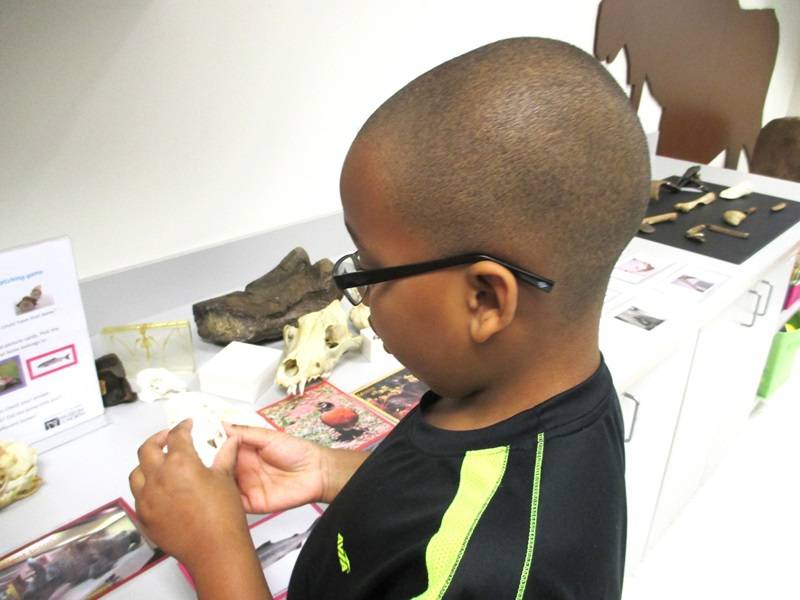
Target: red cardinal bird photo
x,y
340,418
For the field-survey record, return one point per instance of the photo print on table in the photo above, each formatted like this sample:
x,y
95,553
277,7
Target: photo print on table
x,y
326,415
395,394
86,558
11,377
636,268
693,283
639,318
278,539
613,300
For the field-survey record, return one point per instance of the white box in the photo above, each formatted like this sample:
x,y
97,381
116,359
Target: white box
x,y
372,346
240,371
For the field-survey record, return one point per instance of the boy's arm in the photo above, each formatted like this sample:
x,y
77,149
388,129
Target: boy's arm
x,y
339,468
234,572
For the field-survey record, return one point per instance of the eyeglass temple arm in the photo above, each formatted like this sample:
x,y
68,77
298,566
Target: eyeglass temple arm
x,y
349,280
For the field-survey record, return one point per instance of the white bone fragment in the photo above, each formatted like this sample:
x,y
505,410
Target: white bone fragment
x,y
314,347
157,384
18,472
359,316
737,191
208,434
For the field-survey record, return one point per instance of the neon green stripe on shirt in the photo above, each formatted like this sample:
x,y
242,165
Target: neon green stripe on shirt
x,y
481,473
537,480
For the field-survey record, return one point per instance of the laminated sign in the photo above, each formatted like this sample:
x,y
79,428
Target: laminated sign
x,y
48,383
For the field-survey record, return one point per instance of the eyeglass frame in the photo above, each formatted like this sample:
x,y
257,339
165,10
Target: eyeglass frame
x,y
364,278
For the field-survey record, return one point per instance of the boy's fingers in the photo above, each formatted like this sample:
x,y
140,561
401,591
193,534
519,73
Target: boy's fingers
x,y
226,457
136,482
179,438
151,453
254,436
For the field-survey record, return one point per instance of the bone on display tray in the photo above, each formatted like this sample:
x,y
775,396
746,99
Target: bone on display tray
x,y
763,225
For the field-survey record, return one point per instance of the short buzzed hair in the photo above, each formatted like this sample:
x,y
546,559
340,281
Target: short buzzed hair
x,y
525,148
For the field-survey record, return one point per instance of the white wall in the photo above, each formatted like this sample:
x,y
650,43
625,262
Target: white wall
x,y
146,129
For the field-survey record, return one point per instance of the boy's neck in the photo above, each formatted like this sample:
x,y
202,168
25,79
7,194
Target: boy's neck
x,y
545,377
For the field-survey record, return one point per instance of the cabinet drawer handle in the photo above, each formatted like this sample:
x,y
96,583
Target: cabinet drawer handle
x,y
769,297
756,312
629,437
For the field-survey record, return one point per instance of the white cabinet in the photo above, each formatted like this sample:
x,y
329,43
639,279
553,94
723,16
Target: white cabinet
x,y
728,360
650,410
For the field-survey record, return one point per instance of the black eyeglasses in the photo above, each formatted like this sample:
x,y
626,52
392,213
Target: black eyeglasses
x,y
354,281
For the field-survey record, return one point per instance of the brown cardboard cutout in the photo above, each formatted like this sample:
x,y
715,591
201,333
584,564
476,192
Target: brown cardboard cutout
x,y
708,64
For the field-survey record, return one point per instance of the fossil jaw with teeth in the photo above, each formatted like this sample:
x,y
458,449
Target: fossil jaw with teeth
x,y
314,347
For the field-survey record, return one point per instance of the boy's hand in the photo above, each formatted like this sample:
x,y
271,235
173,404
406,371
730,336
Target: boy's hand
x,y
276,471
188,510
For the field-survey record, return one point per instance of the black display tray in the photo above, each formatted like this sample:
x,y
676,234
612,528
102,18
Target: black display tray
x,y
763,225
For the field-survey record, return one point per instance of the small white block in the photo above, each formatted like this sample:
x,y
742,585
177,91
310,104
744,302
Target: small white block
x,y
240,371
372,346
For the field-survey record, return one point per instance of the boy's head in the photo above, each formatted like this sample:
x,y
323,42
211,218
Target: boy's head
x,y
525,149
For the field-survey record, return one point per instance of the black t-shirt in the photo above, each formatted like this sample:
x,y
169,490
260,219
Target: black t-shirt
x,y
531,507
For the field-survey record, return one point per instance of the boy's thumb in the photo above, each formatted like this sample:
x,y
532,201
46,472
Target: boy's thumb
x,y
226,457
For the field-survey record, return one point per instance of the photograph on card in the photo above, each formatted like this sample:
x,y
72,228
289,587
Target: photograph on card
x,y
692,283
278,539
32,300
639,318
51,361
326,415
614,299
636,268
11,376
394,394
86,558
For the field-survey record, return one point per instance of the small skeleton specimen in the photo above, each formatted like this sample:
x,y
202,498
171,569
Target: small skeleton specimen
x,y
359,316
314,347
18,474
156,384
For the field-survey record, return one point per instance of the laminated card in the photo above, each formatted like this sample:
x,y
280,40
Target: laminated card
x,y
49,390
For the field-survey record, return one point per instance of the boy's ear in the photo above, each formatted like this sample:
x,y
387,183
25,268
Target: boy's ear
x,y
492,299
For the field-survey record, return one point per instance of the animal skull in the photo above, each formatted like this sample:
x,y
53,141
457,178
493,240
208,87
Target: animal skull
x,y
18,476
314,347
155,384
359,316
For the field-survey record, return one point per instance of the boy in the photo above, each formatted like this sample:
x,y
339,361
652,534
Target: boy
x,y
523,160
